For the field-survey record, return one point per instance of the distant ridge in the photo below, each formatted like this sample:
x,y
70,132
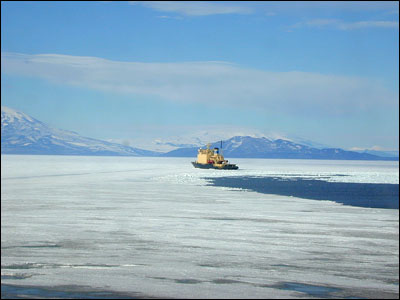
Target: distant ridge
x,y
23,134
253,147
393,154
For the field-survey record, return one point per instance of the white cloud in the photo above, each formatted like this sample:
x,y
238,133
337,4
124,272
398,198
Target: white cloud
x,y
321,22
170,17
270,8
342,25
214,84
374,148
369,24
194,8
166,138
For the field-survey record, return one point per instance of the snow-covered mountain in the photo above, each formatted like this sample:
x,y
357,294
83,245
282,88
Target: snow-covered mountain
x,y
195,137
382,153
253,147
190,137
22,134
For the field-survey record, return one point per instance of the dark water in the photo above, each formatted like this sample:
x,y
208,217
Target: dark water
x,y
311,290
374,195
9,291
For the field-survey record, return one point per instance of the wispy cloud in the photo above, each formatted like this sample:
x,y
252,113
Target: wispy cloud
x,y
369,24
217,84
342,25
170,17
269,8
195,8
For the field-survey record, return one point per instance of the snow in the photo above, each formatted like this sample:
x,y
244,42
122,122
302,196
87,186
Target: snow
x,y
26,128
77,144
236,144
10,115
153,225
195,137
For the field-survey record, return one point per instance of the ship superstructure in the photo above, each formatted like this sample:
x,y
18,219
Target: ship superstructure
x,y
212,159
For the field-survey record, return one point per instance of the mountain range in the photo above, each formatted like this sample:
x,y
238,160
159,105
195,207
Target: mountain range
x,y
23,134
250,147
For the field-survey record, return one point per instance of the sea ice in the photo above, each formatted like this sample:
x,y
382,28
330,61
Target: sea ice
x,y
154,226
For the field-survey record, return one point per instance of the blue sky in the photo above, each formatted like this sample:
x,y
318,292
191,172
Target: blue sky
x,y
324,71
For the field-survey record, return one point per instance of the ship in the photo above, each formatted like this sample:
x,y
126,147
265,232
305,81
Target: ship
x,y
212,159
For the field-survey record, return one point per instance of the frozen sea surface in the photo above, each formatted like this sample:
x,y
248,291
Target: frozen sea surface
x,y
152,227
